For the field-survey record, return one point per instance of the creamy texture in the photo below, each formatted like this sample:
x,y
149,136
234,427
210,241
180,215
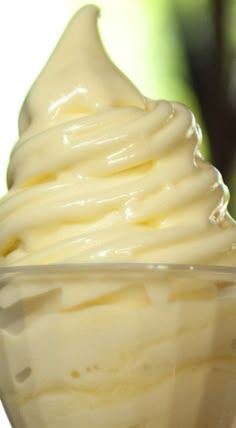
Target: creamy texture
x,y
102,174
119,350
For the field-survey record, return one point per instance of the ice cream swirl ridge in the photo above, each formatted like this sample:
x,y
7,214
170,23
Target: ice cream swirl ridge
x,y
102,174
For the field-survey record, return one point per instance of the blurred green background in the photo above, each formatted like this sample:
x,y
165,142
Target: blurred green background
x,y
195,63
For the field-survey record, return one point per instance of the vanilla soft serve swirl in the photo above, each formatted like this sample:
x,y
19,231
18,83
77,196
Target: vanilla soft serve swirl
x,y
102,174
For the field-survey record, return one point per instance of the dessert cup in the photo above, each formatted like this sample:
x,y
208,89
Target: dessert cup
x,y
122,345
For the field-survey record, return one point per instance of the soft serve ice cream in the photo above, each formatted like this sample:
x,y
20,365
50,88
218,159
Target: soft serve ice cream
x,y
102,174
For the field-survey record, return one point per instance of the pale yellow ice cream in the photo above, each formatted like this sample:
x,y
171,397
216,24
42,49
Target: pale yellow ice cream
x,y
103,174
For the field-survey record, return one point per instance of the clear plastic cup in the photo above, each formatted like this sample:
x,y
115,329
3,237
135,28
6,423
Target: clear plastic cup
x,y
118,346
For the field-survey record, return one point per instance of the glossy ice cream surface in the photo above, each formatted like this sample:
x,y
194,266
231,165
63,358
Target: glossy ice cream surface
x,y
103,174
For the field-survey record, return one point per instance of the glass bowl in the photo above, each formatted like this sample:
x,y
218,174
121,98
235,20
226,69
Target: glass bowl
x,y
118,346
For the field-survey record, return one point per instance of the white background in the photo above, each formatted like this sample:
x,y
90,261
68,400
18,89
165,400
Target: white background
x,y
28,33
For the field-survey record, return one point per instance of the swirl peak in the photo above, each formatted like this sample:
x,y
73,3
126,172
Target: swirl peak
x,y
78,79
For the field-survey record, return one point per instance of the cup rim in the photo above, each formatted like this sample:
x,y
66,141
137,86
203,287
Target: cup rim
x,y
121,267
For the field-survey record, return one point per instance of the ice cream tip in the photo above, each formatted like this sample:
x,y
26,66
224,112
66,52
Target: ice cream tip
x,y
102,174
79,77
